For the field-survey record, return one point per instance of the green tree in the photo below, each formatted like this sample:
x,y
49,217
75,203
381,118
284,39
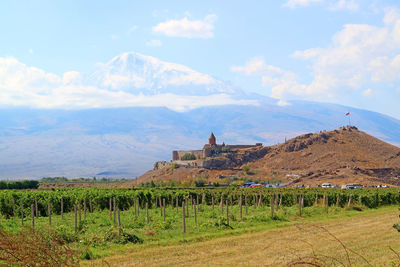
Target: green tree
x,y
246,169
188,156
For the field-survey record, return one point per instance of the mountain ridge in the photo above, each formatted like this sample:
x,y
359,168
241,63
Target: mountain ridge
x,y
38,143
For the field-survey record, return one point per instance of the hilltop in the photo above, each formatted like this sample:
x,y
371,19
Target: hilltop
x,y
345,155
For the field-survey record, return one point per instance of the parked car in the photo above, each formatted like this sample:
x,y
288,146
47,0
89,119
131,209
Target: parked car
x,y
255,185
248,184
352,186
326,185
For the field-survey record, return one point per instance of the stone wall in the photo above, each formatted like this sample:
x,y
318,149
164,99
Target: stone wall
x,y
177,155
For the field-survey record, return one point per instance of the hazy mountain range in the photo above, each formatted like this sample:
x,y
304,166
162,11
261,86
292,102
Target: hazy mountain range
x,y
120,141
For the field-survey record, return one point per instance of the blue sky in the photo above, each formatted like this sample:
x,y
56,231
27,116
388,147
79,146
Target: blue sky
x,y
340,51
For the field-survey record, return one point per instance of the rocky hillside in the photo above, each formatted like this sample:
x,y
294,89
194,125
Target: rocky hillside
x,y
345,155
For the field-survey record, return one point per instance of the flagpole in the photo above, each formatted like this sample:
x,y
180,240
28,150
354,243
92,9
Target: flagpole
x,y
349,120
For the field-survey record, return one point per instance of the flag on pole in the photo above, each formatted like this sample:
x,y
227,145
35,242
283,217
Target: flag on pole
x,y
348,114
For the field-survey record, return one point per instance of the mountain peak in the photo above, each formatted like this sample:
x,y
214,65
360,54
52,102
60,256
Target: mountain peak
x,y
135,72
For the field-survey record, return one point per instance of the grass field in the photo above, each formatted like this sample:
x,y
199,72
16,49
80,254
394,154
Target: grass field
x,y
367,236
258,238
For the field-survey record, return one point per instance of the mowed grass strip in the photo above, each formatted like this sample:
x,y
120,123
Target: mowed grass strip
x,y
368,233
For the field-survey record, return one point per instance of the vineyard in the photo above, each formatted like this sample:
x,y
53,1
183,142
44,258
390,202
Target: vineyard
x,y
98,199
94,220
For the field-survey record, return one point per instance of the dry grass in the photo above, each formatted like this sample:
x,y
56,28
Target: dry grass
x,y
29,248
368,237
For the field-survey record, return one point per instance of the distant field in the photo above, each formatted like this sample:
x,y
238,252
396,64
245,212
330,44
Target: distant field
x,y
369,234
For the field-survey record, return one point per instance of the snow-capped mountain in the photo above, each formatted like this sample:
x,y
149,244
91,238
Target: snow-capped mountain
x,y
136,73
135,109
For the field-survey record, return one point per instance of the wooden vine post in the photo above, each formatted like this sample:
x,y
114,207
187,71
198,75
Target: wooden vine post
x,y
272,206
36,208
300,206
326,203
115,209
84,209
147,212
110,208
13,207
22,212
227,212
79,212
222,204
187,208
76,220
62,208
119,223
161,207
164,208
90,205
33,216
245,204
240,206
138,206
350,200
183,216
49,211
195,211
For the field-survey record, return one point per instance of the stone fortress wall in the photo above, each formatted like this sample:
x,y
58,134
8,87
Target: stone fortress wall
x,y
178,154
209,149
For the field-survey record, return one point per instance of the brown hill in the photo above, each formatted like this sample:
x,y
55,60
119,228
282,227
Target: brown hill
x,y
342,156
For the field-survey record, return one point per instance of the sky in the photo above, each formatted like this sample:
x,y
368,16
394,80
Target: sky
x,y
337,51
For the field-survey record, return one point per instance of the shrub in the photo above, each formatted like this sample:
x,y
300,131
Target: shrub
x,y
200,183
174,165
188,156
246,169
123,238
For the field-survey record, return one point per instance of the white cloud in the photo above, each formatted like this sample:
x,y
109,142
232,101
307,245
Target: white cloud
x,y
367,92
330,4
300,3
154,43
21,85
359,55
283,83
344,4
283,103
187,28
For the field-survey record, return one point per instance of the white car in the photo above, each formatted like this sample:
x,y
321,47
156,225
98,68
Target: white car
x,y
326,185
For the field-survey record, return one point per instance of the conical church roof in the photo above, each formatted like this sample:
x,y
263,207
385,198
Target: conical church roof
x,y
212,140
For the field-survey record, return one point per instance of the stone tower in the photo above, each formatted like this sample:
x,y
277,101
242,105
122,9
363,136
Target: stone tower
x,y
211,140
